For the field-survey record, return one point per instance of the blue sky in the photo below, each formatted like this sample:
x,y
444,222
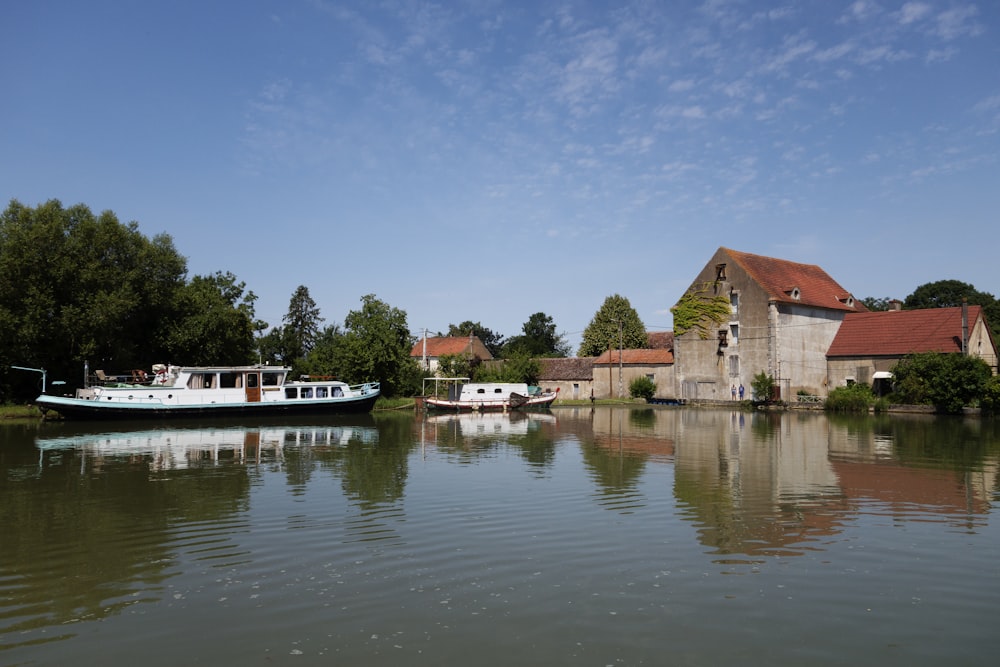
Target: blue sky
x,y
488,160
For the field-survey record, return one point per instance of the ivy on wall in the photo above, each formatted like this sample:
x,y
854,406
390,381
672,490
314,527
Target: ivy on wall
x,y
697,308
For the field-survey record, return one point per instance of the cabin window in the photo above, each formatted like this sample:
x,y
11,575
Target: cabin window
x,y
480,391
498,390
272,379
253,379
230,380
291,392
322,392
201,381
337,391
307,392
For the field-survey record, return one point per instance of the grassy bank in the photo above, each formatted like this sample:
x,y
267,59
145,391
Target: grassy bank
x,y
20,412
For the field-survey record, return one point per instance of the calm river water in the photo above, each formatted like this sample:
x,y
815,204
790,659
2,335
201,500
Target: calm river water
x,y
615,536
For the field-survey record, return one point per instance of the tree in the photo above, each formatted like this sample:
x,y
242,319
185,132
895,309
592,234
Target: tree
x,y
950,293
493,341
76,287
876,304
763,387
615,324
539,339
642,387
301,324
376,346
213,322
947,381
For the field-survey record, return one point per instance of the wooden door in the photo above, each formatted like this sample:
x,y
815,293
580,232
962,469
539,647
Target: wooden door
x,y
253,387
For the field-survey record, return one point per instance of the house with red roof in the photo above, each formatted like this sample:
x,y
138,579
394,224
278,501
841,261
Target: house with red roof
x,y
868,345
429,350
782,318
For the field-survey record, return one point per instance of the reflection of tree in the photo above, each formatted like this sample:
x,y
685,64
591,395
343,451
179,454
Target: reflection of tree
x,y
615,471
88,536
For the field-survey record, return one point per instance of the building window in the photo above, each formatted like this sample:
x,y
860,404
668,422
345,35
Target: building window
x,y
723,338
734,301
734,332
734,366
720,271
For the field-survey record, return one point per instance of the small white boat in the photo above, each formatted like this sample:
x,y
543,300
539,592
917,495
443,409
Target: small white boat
x,y
492,396
201,391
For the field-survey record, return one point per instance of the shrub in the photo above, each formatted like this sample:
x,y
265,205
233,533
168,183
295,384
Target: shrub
x,y
947,381
763,387
642,387
852,398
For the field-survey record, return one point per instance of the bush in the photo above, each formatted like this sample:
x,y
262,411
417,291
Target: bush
x,y
642,387
852,398
763,387
947,381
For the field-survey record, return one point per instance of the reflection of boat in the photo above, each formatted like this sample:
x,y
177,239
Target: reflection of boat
x,y
182,447
493,396
494,423
215,391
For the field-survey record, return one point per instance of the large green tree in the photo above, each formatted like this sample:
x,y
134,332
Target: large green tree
x,y
78,287
538,339
950,293
603,331
376,345
213,322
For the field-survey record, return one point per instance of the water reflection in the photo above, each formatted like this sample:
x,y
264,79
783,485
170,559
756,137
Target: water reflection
x,y
483,507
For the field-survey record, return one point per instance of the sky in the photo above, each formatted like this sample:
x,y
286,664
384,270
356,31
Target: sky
x,y
484,161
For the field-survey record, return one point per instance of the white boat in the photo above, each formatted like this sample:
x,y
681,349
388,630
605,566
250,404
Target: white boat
x,y
201,391
492,396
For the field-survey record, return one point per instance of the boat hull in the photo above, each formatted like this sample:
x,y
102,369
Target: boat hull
x,y
496,406
84,409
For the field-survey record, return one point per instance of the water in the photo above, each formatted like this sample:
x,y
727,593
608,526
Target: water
x,y
604,537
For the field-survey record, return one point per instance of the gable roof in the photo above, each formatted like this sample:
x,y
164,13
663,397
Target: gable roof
x,y
642,357
901,332
663,340
782,280
438,346
565,368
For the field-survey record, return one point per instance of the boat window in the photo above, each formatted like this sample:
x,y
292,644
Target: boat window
x,y
498,390
229,380
480,391
306,392
201,381
272,379
337,391
291,392
322,392
253,380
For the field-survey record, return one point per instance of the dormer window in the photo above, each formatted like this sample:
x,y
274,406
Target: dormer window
x,y
794,292
846,300
720,271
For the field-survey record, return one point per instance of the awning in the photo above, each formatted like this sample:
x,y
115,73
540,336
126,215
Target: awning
x,y
882,375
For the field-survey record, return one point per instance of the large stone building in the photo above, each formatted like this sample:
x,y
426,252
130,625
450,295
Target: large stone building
x,y
780,320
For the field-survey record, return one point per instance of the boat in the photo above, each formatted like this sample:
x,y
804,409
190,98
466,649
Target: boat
x,y
211,391
492,396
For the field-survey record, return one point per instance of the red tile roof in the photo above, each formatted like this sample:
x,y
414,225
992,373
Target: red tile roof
x,y
441,345
660,339
900,332
644,357
780,278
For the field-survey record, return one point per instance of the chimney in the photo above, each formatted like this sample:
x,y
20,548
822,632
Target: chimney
x,y
965,325
896,304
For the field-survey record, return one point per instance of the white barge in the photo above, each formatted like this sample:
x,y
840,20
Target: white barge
x,y
216,391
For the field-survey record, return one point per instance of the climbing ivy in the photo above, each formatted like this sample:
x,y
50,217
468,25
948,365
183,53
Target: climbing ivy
x,y
696,308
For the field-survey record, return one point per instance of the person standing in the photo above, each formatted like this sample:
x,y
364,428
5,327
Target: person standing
x,y
734,392
741,391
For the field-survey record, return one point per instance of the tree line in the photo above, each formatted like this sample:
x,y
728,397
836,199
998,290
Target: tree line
x,y
78,288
